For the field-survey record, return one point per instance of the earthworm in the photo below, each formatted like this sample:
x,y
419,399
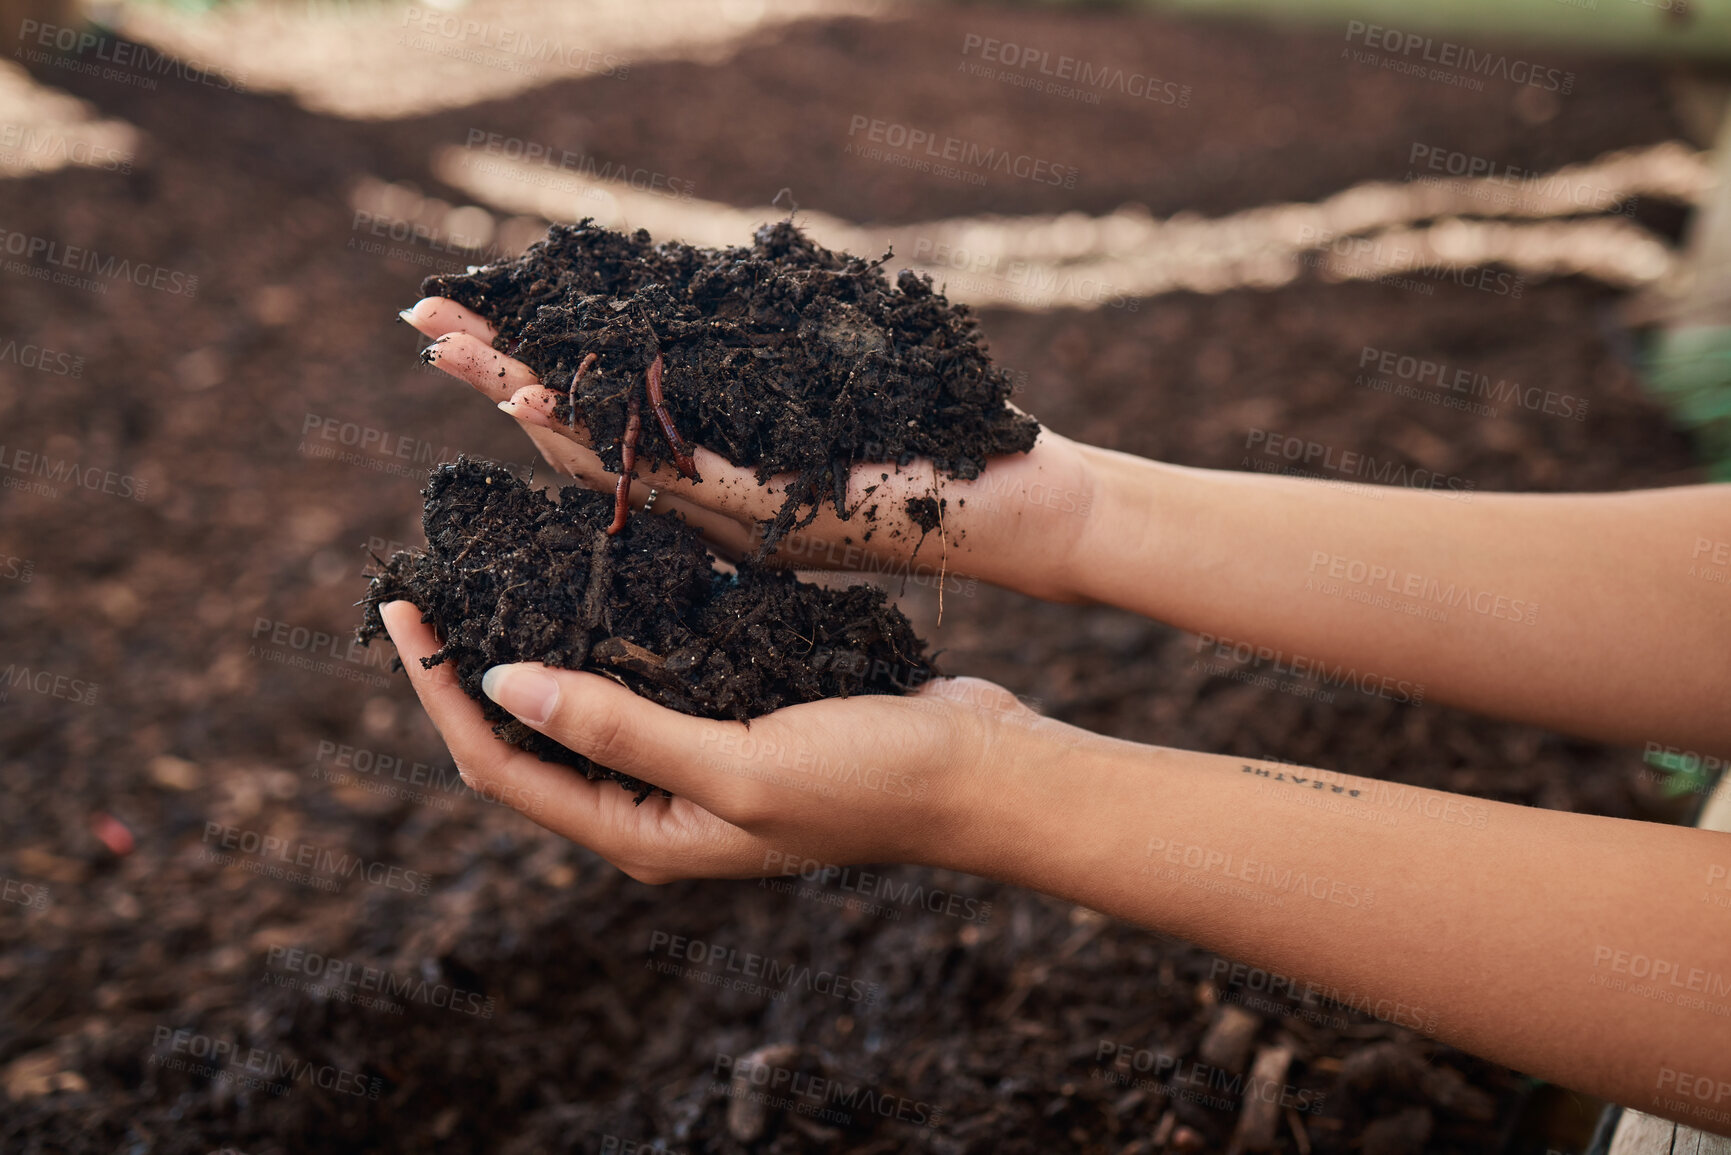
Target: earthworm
x,y
681,452
576,377
628,464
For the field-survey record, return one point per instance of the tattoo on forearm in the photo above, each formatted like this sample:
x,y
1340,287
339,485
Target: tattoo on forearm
x,y
1311,780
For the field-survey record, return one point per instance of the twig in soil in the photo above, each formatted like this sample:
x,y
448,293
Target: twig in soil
x,y
647,664
620,652
627,467
576,377
474,539
596,612
681,452
944,565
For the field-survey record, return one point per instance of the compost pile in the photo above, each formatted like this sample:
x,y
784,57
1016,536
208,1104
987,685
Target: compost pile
x,y
510,575
783,355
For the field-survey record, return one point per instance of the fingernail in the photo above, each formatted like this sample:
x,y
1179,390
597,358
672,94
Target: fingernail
x,y
525,691
407,316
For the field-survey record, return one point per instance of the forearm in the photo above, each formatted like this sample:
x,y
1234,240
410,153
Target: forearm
x,y
1506,927
1577,612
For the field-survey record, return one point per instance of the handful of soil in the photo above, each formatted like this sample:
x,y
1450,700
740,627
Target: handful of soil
x,y
511,575
783,355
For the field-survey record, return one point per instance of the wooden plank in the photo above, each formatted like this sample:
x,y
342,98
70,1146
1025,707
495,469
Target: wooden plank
x,y
1716,815
1639,1134
1692,1142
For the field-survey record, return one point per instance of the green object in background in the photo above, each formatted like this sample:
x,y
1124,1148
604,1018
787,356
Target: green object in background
x,y
1686,773
1687,28
1690,370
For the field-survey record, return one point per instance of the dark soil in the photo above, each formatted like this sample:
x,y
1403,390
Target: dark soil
x,y
993,1016
510,575
784,355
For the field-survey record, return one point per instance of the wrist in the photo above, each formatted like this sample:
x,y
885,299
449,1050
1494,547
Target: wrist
x,y
1047,541
1114,549
1027,807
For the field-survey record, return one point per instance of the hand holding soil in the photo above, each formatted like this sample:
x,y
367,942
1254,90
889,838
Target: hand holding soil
x,y
1017,525
874,778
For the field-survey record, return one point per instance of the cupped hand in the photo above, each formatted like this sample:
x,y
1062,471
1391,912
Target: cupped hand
x,y
1018,524
873,778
